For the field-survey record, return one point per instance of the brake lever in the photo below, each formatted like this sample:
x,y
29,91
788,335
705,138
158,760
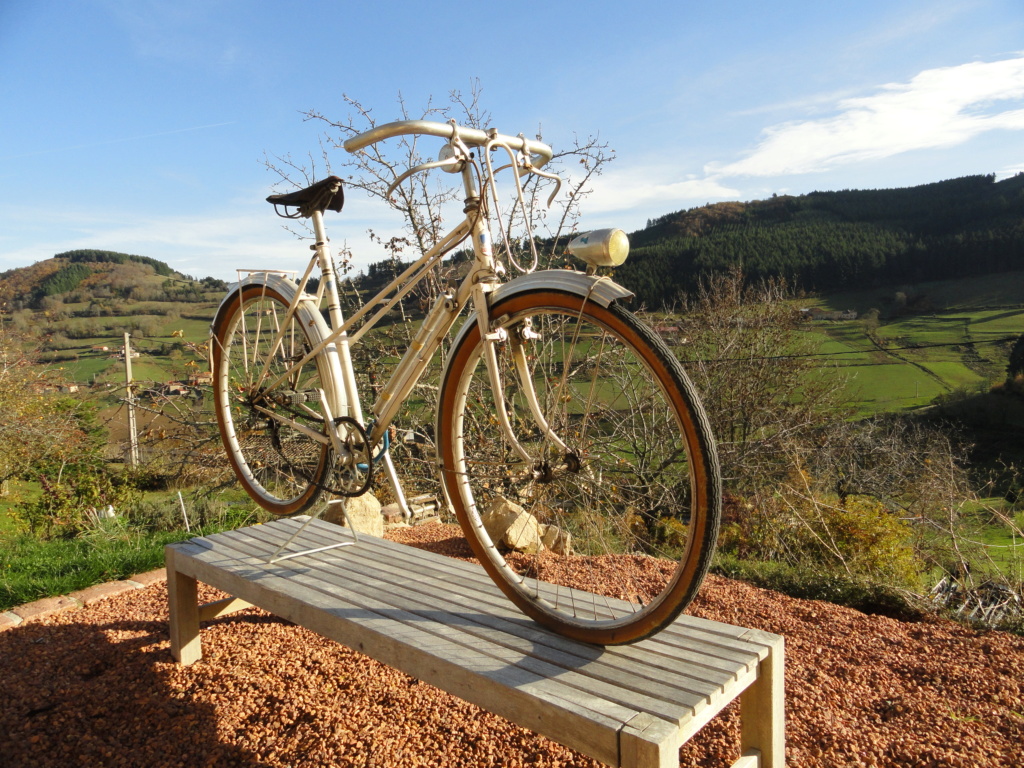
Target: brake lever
x,y
454,160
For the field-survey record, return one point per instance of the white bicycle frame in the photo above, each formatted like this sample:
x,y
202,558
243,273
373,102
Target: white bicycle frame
x,y
483,278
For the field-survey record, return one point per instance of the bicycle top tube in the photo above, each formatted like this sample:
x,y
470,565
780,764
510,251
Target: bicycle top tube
x,y
540,153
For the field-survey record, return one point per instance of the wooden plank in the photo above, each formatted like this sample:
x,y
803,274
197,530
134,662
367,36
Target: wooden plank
x,y
750,759
183,607
218,608
498,612
763,708
305,597
458,628
719,646
646,742
624,679
640,677
527,638
749,662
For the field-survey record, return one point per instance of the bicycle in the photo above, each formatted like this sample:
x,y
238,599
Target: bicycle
x,y
557,408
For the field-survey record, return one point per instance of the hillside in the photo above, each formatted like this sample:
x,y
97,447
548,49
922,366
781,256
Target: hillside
x,y
97,276
78,305
908,257
830,241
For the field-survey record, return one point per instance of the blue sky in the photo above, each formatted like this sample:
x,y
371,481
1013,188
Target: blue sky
x,y
140,126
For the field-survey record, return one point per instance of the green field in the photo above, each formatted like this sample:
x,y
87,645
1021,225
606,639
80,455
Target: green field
x,y
1002,289
83,360
952,336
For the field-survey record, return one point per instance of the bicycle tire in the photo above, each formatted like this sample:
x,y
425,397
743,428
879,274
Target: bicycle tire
x,y
283,469
638,488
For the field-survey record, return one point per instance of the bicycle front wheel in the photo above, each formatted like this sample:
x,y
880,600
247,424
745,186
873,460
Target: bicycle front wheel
x,y
269,407
589,486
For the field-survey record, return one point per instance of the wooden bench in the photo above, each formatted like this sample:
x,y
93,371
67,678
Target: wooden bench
x,y
444,622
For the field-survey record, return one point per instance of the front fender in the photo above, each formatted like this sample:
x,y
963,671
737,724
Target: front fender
x,y
600,290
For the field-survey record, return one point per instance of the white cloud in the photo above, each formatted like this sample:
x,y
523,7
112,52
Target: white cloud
x,y
1010,170
217,244
651,189
938,108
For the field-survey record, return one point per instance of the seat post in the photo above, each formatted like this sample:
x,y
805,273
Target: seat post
x,y
329,278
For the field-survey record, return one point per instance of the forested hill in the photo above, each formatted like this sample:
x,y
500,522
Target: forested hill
x,y
88,275
826,241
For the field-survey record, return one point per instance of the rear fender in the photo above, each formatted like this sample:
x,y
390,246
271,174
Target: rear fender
x,y
310,318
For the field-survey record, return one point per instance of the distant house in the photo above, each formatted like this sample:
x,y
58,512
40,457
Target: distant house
x,y
201,379
669,332
175,388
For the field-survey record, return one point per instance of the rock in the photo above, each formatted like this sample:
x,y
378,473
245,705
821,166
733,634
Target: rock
x,y
524,535
392,514
363,512
510,525
557,540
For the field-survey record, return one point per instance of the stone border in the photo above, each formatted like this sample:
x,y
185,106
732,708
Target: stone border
x,y
40,609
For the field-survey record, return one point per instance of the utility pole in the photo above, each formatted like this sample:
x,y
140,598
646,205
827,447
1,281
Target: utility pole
x,y
133,439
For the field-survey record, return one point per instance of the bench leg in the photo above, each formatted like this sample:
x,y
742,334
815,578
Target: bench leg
x,y
183,604
647,742
763,714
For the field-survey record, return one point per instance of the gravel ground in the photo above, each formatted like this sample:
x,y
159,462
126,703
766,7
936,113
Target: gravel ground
x,y
97,687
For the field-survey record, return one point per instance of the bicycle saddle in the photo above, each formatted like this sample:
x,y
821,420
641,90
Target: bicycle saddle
x,y
324,195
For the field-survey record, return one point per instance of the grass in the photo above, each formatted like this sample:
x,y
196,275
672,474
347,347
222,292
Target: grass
x,y
969,319
895,386
1000,542
17,491
31,569
191,322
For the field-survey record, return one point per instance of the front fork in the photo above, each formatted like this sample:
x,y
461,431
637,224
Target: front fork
x,y
518,339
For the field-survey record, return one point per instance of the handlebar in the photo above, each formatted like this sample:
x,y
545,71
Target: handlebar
x,y
540,153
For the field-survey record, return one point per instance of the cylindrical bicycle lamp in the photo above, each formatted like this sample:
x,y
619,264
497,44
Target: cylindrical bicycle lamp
x,y
601,248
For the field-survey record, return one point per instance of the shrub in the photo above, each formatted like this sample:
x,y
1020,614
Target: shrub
x,y
814,583
71,498
858,537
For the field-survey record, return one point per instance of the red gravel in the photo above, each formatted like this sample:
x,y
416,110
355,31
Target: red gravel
x,y
97,686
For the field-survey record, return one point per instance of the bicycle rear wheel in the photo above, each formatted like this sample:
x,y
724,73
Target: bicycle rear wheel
x,y
269,411
614,468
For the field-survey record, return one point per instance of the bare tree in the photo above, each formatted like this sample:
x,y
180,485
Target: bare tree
x,y
426,202
743,347
425,199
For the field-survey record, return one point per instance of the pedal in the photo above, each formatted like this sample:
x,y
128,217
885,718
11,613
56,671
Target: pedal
x,y
291,397
423,507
